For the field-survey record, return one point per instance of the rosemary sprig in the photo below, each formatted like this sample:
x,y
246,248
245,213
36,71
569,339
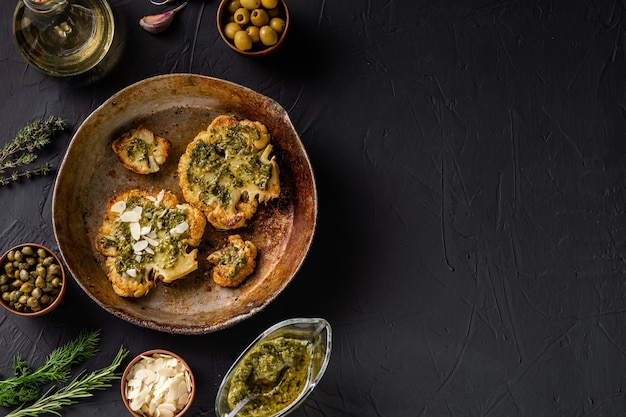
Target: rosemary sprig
x,y
80,387
26,384
22,150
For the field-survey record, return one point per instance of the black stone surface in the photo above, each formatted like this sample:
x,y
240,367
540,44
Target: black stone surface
x,y
470,161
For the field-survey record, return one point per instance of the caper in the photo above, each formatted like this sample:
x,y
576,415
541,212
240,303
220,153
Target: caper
x,y
4,288
27,250
54,269
32,302
17,283
48,260
22,299
268,36
56,282
11,255
46,299
31,261
243,41
6,296
41,270
259,17
37,292
41,253
9,267
40,282
4,279
18,256
24,275
26,287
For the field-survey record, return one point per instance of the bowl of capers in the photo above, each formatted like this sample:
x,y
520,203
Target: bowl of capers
x,y
254,28
32,280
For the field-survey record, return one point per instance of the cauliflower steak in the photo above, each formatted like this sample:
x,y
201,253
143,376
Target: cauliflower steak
x,y
145,237
234,262
228,169
141,151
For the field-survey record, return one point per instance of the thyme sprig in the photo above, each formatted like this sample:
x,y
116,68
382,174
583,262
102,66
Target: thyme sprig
x,y
21,151
26,384
82,386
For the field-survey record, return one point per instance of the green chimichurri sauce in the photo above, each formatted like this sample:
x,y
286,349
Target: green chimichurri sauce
x,y
275,372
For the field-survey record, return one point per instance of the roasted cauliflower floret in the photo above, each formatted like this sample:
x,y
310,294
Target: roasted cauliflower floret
x,y
228,169
145,237
234,262
141,151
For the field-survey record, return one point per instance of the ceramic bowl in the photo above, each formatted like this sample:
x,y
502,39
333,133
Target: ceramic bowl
x,y
134,380
224,16
43,285
315,333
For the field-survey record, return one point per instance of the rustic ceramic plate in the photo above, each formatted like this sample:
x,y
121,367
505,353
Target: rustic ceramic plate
x,y
177,107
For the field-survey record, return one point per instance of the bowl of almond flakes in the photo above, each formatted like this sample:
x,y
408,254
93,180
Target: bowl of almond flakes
x,y
157,383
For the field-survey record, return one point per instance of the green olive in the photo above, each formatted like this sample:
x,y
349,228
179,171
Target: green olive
x,y
233,5
253,32
242,16
268,36
278,24
230,29
250,4
243,41
275,12
269,4
259,17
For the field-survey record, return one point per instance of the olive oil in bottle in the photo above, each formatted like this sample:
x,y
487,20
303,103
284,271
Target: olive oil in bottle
x,y
63,37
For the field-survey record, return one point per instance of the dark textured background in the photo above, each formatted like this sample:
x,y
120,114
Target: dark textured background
x,y
469,158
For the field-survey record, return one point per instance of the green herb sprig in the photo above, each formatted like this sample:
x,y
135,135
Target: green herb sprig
x,y
21,151
80,387
26,384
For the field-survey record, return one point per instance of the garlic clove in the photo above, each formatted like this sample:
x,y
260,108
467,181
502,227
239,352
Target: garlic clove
x,y
157,23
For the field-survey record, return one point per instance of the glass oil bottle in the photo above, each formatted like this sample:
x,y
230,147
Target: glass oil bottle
x,y
63,37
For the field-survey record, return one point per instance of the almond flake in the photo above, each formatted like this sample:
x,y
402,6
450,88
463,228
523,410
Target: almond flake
x,y
118,207
140,245
135,230
130,216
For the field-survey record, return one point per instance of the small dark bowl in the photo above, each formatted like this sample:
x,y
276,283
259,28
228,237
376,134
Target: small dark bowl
x,y
150,353
55,294
258,50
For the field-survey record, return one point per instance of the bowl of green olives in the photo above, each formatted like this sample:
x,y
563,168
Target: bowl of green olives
x,y
32,280
254,28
